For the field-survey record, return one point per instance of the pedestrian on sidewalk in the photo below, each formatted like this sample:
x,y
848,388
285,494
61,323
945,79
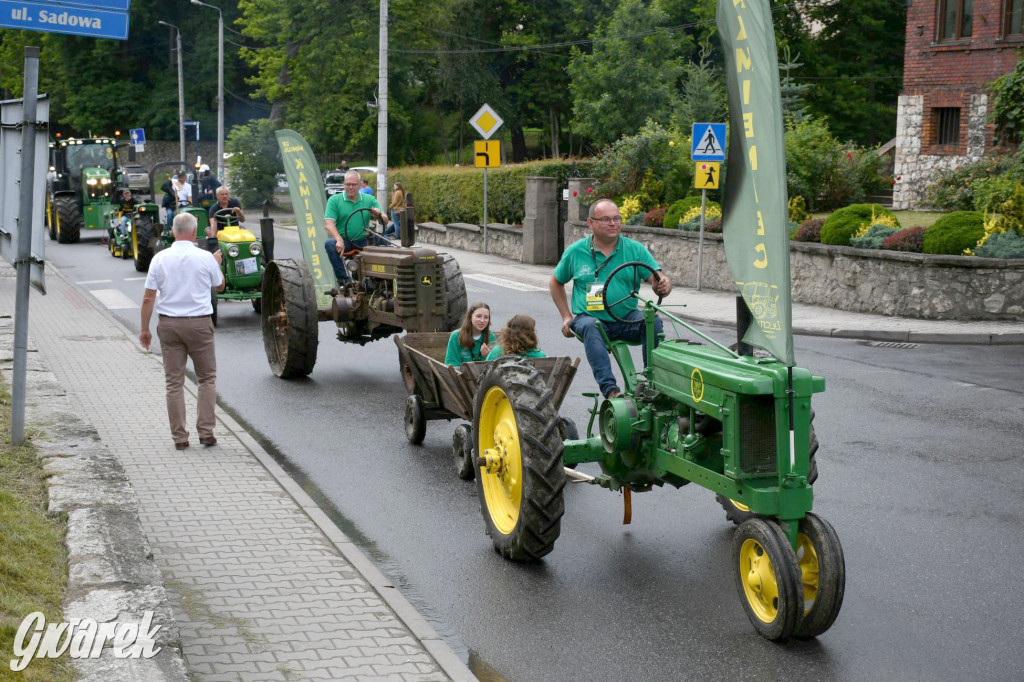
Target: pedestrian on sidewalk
x,y
184,276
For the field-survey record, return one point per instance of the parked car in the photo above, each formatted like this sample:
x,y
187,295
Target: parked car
x,y
334,182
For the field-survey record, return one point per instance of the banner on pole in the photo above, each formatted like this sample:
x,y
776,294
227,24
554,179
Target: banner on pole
x,y
755,213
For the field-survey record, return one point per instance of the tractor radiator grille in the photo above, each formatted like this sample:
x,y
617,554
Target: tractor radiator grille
x,y
407,287
757,434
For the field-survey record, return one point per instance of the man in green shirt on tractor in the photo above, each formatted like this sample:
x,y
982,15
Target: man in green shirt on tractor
x,y
356,231
587,264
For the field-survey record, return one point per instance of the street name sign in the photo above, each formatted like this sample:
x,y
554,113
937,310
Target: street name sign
x,y
486,121
50,17
708,142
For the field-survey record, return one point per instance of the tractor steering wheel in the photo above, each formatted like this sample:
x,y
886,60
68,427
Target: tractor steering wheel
x,y
226,217
635,289
364,230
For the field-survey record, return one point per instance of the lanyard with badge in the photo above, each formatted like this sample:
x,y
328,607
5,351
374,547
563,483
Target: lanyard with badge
x,y
595,300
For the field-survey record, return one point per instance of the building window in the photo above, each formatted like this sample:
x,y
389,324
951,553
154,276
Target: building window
x,y
956,19
947,125
1013,26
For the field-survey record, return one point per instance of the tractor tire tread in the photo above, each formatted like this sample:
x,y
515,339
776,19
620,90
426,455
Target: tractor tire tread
x,y
69,217
288,285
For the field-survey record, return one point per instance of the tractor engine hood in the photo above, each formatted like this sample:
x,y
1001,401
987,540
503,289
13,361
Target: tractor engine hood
x,y
97,182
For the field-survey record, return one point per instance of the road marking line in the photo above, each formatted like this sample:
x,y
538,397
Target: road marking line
x,y
114,299
134,279
502,282
96,281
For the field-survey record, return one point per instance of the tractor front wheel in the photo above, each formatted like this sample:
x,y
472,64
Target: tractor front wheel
x,y
823,574
290,321
768,578
69,219
519,474
145,237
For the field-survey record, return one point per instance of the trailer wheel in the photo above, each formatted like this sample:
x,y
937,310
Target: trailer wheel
x,y
145,235
69,219
738,512
462,452
519,474
454,295
823,574
415,420
290,321
767,578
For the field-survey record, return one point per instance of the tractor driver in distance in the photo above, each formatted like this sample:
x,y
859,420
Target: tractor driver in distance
x,y
224,201
587,264
127,205
339,208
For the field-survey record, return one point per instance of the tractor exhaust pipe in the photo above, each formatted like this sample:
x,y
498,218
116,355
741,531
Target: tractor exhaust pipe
x,y
267,233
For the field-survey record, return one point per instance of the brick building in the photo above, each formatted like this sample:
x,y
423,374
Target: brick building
x,y
954,50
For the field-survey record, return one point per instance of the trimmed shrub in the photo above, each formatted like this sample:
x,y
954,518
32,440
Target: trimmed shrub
x,y
809,230
624,164
847,222
630,207
798,210
677,210
635,219
714,226
873,237
1002,245
655,218
954,233
910,239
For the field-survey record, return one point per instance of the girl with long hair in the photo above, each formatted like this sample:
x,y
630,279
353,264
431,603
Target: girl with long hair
x,y
474,339
519,337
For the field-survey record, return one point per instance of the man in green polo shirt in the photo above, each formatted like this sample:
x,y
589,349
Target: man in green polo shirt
x,y
339,208
587,264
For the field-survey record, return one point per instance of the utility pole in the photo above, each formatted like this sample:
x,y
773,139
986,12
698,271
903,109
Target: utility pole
x,y
220,87
181,94
382,111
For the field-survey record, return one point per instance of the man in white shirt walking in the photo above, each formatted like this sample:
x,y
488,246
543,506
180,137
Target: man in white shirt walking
x,y
184,276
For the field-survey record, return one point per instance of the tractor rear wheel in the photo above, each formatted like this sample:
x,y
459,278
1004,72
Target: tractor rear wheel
x,y
462,452
823,573
112,242
454,295
519,474
145,238
767,578
69,219
290,322
738,512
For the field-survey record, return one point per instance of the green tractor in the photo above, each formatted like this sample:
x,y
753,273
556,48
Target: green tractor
x,y
736,424
80,187
150,230
243,261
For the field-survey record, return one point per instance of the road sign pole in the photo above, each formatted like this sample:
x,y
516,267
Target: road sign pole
x,y
484,210
700,240
23,264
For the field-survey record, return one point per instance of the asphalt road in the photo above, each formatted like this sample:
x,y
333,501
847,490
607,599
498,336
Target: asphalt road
x,y
920,473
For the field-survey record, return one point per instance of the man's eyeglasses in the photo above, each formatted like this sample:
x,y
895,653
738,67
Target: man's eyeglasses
x,y
613,220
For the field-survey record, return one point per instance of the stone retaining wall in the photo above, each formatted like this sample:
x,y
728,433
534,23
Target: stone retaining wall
x,y
502,240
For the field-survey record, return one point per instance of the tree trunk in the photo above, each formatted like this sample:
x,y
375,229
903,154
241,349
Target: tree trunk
x,y
277,110
555,153
518,143
440,126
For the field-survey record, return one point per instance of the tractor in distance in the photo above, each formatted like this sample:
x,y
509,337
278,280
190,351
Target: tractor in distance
x,y
80,186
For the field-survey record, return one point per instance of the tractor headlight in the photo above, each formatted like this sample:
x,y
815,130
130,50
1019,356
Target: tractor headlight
x,y
91,181
233,250
254,248
105,181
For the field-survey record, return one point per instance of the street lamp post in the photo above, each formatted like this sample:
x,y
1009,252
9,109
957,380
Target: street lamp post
x,y
181,94
220,87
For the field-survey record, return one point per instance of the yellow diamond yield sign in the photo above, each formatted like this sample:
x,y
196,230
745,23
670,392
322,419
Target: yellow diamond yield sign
x,y
486,121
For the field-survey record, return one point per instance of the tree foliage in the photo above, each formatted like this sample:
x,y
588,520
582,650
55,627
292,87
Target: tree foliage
x,y
1008,105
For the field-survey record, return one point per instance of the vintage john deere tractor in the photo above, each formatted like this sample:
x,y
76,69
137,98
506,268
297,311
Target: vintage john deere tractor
x,y
736,424
80,188
243,262
390,289
150,231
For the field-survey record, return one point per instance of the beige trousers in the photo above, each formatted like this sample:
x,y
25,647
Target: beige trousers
x,y
182,338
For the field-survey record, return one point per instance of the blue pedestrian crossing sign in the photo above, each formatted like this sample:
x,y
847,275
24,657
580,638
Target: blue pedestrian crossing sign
x,y
137,135
708,142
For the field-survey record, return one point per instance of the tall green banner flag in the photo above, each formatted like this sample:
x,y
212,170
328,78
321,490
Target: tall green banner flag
x,y
755,210
306,186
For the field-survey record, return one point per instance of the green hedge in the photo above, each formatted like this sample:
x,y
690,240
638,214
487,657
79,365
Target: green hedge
x,y
845,222
680,208
954,232
447,194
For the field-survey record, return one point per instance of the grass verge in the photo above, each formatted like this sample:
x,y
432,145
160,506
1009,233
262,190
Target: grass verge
x,y
33,560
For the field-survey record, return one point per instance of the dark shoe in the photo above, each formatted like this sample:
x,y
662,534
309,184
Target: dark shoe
x,y
614,393
182,445
208,441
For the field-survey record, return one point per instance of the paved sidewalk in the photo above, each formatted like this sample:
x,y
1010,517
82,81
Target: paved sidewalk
x,y
262,584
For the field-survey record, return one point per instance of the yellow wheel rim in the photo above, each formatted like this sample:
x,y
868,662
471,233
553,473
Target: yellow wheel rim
x,y
502,475
741,507
759,584
809,571
135,243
